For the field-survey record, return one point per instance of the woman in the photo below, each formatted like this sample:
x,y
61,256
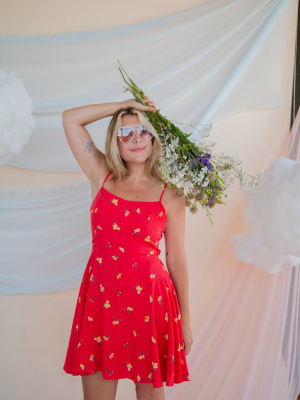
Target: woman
x,y
130,321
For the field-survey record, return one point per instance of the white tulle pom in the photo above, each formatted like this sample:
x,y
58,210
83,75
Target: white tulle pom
x,y
16,120
272,210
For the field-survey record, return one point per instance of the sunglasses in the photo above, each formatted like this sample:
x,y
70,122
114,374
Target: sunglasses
x,y
126,133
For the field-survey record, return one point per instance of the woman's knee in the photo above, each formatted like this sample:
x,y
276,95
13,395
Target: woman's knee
x,y
95,387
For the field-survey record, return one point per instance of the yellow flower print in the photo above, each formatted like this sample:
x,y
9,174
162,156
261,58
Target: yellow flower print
x,y
99,260
153,274
129,309
138,210
167,289
182,362
119,275
129,366
138,289
166,317
122,249
90,319
157,243
138,378
102,288
151,253
99,228
98,339
126,212
106,337
150,298
159,299
141,356
150,375
175,319
95,210
79,299
179,316
154,365
153,339
111,355
77,326
114,201
115,257
149,217
79,344
146,318
90,268
92,278
115,226
166,336
82,366
180,347
92,357
134,333
137,230
188,377
116,321
106,304
161,214
147,239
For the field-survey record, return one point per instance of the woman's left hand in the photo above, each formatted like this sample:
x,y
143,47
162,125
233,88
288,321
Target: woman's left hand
x,y
187,338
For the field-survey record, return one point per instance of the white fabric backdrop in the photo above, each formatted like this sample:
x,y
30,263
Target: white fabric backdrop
x,y
51,231
249,346
199,65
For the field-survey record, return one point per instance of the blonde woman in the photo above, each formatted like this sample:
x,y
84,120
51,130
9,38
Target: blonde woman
x,y
132,314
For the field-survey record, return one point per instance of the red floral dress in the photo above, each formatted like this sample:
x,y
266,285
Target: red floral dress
x,y
127,320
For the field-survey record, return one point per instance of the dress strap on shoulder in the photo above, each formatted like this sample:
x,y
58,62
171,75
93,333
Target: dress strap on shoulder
x,y
106,178
162,192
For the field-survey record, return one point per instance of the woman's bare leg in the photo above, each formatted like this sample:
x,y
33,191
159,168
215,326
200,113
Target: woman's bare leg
x,y
146,391
95,387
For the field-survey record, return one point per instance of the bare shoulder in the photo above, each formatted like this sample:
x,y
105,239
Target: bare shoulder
x,y
172,203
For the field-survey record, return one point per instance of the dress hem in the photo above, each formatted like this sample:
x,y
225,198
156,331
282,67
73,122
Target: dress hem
x,y
81,373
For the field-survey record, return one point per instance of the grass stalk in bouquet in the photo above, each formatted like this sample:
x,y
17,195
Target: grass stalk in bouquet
x,y
198,174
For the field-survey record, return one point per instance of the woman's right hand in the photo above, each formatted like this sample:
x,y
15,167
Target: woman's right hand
x,y
135,104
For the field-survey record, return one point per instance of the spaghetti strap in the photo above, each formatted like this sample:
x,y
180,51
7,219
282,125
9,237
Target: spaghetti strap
x,y
162,192
106,178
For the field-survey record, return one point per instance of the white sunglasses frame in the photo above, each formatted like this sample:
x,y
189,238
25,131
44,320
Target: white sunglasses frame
x,y
127,126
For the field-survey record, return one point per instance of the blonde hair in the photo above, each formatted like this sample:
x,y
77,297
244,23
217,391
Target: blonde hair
x,y
114,161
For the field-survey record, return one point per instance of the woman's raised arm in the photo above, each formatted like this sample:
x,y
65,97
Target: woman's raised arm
x,y
88,156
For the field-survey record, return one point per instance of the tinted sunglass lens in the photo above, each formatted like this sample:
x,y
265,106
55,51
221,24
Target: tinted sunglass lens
x,y
144,133
125,133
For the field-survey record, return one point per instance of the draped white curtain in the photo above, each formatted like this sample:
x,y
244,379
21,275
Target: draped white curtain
x,y
249,346
202,61
50,228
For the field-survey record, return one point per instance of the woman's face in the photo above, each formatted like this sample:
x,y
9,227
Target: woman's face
x,y
127,149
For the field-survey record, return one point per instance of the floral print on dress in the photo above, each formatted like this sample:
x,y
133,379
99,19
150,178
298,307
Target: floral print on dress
x,y
127,320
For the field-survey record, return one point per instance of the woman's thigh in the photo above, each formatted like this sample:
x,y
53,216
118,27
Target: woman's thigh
x,y
95,387
146,391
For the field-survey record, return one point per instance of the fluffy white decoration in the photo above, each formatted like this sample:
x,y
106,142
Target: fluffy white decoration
x,y
16,120
272,210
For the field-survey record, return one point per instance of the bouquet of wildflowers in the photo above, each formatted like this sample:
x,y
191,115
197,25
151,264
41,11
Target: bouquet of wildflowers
x,y
198,174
